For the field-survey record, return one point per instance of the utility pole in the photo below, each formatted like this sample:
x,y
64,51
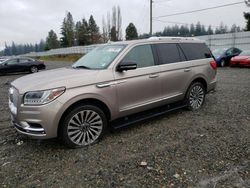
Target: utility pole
x,y
151,17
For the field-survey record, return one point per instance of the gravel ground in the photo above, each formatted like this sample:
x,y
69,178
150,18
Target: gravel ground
x,y
208,148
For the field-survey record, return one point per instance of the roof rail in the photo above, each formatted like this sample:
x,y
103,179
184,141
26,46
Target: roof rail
x,y
173,38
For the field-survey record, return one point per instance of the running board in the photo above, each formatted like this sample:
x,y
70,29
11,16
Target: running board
x,y
139,117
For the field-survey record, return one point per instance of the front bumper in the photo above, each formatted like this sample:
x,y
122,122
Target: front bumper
x,y
36,121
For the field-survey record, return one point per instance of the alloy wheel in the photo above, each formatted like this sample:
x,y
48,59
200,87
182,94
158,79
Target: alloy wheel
x,y
85,127
196,97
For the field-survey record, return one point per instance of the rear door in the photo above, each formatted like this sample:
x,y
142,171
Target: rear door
x,y
140,88
175,70
11,66
24,64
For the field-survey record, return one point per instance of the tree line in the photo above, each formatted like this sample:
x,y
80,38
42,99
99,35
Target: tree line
x,y
196,30
86,31
17,49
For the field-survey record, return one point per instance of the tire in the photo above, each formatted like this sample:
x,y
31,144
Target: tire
x,y
223,63
33,69
83,126
195,96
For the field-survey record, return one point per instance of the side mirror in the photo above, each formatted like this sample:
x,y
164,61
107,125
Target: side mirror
x,y
126,65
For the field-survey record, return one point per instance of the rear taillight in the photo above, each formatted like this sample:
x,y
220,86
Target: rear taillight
x,y
213,65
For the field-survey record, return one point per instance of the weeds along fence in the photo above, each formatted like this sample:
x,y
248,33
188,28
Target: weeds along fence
x,y
240,40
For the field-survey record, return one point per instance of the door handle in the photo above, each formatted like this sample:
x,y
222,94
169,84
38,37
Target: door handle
x,y
153,75
187,70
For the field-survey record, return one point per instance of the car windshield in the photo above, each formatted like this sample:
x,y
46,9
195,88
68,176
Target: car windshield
x,y
99,58
245,53
219,52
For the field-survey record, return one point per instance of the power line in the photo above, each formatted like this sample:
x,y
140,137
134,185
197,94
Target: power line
x,y
199,10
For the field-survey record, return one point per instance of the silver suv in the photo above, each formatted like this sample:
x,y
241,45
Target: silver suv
x,y
110,84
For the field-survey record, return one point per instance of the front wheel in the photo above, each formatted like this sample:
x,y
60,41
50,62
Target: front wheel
x,y
82,126
33,69
195,96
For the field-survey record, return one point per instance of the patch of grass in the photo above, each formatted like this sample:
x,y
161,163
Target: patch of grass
x,y
67,58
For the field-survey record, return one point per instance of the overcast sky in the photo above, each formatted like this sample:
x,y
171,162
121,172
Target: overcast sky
x,y
28,21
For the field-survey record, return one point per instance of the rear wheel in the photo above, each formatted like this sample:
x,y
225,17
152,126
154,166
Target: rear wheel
x,y
195,96
83,126
33,69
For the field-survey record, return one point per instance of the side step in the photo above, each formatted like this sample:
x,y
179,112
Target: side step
x,y
136,118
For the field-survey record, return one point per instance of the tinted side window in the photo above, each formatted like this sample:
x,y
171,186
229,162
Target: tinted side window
x,y
168,53
142,55
195,51
11,61
236,50
23,60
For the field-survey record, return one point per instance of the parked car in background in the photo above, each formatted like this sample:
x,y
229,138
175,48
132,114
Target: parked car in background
x,y
3,59
109,85
241,60
224,55
21,64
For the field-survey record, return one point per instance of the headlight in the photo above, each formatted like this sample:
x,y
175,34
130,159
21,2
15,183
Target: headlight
x,y
42,97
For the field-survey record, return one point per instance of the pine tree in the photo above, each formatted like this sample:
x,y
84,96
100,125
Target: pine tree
x,y
247,17
52,41
198,29
82,33
113,34
13,49
93,31
67,31
192,30
131,32
210,30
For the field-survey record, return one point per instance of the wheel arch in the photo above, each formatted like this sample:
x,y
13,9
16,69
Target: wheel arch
x,y
200,79
88,101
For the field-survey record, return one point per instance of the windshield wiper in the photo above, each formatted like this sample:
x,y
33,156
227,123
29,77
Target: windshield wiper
x,y
81,67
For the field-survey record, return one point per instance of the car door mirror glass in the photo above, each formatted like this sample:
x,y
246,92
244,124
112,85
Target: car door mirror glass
x,y
126,65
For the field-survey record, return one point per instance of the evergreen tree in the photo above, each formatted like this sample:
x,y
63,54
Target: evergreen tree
x,y
203,30
67,31
210,30
13,49
52,41
82,33
247,17
131,32
41,46
113,34
192,30
7,51
93,31
198,29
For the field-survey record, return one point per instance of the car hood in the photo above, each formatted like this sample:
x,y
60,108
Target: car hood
x,y
62,77
240,57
